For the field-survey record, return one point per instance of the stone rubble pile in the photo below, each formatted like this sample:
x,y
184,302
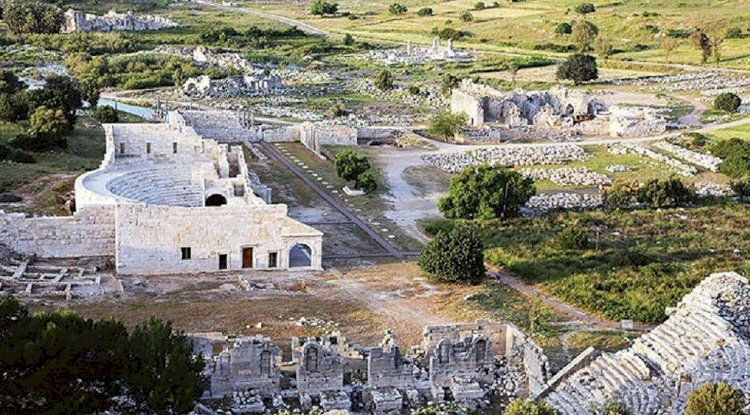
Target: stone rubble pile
x,y
416,55
710,83
507,156
231,86
428,96
576,201
708,190
618,168
78,21
683,169
568,176
706,161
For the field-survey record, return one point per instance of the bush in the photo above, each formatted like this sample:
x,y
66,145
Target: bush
x,y
32,16
383,80
322,8
480,5
610,407
715,399
397,8
578,68
455,256
14,154
486,192
524,407
733,33
106,114
584,34
350,164
736,155
665,193
622,194
585,8
741,187
446,124
727,102
348,40
424,11
414,90
563,28
367,181
573,238
466,17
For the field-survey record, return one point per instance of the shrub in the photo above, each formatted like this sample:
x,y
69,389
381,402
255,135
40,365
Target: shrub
x,y
573,238
383,80
715,399
348,40
524,407
583,34
727,102
466,17
367,181
741,187
578,68
14,107
480,5
322,8
610,407
32,16
447,83
486,192
446,124
397,8
585,8
106,114
736,156
622,194
350,164
454,256
665,193
733,33
424,11
563,28
414,90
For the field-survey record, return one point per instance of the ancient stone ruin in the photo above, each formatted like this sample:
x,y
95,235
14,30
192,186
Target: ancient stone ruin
x,y
232,86
78,21
705,339
414,55
557,108
469,364
154,179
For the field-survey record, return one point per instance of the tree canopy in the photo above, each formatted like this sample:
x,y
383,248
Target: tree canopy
x,y
715,399
486,192
454,256
578,68
32,16
446,124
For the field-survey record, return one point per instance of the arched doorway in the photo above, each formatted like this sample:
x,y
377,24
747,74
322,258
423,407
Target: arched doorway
x,y
216,200
300,256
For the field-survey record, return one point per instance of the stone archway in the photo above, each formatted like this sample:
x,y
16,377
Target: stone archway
x,y
300,255
216,200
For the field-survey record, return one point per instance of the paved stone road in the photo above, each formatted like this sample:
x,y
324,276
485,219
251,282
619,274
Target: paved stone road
x,y
392,250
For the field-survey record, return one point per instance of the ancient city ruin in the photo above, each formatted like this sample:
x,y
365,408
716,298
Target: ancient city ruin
x,y
415,55
78,21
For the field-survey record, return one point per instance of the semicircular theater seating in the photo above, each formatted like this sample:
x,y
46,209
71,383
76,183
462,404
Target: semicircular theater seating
x,y
169,186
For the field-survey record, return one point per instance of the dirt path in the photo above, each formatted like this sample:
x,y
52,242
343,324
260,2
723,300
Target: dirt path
x,y
281,19
694,118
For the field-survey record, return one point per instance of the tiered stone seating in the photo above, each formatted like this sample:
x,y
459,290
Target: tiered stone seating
x,y
695,341
167,185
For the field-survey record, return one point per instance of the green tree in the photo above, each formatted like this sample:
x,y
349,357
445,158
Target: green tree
x,y
106,114
383,80
322,8
467,17
48,125
727,102
10,84
715,399
480,5
454,256
424,11
585,8
524,407
603,47
741,186
350,164
735,154
446,124
161,374
583,34
397,8
578,68
447,83
367,181
702,42
665,193
486,192
14,107
59,92
563,28
32,16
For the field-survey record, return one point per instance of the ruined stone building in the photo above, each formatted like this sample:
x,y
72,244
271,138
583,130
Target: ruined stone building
x,y
556,108
705,339
413,55
231,86
167,200
78,21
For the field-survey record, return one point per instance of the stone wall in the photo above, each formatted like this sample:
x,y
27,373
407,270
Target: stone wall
x,y
464,102
150,238
78,21
89,232
315,135
246,363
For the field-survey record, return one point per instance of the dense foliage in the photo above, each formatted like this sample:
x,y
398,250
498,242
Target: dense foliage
x,y
665,193
583,34
106,114
454,256
610,407
728,102
563,28
353,166
446,124
578,68
322,8
59,362
524,407
585,8
397,8
424,11
32,16
716,399
383,80
573,238
486,192
735,154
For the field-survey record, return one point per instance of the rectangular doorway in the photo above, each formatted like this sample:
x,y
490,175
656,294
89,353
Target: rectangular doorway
x,y
222,261
247,257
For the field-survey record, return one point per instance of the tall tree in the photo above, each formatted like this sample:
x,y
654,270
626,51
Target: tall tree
x,y
584,33
578,68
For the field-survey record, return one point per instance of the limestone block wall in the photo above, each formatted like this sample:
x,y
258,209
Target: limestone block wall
x,y
149,238
469,104
534,360
388,368
247,363
319,371
495,332
89,232
315,135
371,133
156,142
281,134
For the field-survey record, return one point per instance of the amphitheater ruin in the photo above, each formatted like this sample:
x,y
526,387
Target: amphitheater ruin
x,y
705,339
169,200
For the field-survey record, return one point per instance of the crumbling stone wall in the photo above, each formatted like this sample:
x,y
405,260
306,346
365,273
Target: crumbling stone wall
x,y
246,363
315,135
88,232
78,21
